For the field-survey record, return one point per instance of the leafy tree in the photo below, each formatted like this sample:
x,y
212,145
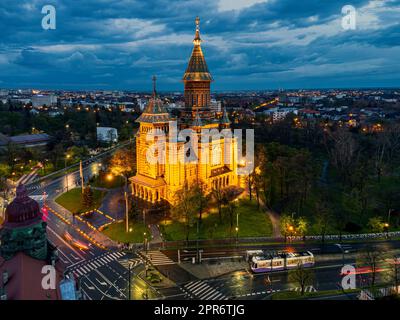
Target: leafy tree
x,y
121,163
286,224
376,224
302,226
322,218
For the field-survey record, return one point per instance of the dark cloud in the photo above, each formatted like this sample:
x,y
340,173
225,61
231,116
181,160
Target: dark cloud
x,y
271,44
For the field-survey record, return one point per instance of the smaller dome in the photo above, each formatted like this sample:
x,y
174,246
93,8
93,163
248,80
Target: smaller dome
x,y
22,211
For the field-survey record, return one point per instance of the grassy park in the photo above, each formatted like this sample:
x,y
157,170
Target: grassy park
x,y
252,223
72,200
117,232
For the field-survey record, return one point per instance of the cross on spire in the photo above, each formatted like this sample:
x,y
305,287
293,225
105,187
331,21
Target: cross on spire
x,y
197,39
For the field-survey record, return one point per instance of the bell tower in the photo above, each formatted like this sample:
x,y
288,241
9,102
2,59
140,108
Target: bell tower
x,y
197,80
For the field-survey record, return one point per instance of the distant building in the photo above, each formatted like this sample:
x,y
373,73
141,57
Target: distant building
x,y
107,134
41,100
26,140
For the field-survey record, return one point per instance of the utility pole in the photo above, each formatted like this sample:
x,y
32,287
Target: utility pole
x,y
129,280
126,212
81,174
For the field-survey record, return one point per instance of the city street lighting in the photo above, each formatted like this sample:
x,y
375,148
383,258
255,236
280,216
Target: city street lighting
x,y
65,168
386,227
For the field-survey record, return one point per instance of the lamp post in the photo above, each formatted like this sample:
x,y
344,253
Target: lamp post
x,y
386,227
65,169
145,241
129,280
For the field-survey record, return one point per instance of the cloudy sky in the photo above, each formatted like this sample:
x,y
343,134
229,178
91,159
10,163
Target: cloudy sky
x,y
248,44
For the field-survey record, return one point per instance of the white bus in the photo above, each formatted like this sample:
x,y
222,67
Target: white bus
x,y
276,261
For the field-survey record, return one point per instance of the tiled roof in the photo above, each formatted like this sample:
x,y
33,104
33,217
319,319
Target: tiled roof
x,y
197,69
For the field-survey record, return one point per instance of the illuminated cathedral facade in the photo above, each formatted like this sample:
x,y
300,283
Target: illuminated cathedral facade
x,y
215,163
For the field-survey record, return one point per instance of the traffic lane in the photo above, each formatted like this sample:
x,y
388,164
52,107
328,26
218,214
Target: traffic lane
x,y
69,255
244,282
59,184
58,226
187,254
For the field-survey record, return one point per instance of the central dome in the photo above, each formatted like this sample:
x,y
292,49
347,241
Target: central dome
x,y
22,211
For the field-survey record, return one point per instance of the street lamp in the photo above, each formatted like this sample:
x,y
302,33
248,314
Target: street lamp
x,y
237,235
145,241
65,168
386,227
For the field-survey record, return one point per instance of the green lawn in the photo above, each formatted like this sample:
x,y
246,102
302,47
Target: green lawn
x,y
116,232
72,200
252,223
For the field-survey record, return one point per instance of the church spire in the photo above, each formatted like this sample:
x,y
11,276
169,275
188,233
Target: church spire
x,y
197,39
197,69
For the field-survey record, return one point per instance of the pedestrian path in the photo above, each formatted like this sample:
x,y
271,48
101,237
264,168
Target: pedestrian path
x,y
201,290
157,258
82,268
28,178
306,289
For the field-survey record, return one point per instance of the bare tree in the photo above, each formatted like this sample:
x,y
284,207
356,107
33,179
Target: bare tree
x,y
370,258
218,195
302,277
343,150
393,274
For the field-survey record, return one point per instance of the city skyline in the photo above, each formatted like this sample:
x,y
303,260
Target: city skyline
x,y
253,45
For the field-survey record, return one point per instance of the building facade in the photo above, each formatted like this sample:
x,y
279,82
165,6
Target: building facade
x,y
189,157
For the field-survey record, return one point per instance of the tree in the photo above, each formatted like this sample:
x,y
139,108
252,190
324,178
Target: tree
x,y
200,199
87,197
302,277
286,225
376,224
121,163
229,201
393,275
302,226
322,218
218,194
370,258
183,209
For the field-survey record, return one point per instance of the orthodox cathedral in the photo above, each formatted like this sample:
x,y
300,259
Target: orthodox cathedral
x,y
215,161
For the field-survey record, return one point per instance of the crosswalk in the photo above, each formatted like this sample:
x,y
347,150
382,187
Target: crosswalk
x,y
157,258
82,268
306,289
201,290
39,197
133,262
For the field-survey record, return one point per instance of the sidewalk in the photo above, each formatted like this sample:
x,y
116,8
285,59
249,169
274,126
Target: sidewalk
x,y
156,237
207,270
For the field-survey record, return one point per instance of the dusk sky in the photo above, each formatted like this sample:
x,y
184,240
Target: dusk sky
x,y
248,44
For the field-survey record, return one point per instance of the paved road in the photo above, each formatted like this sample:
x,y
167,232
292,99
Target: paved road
x,y
102,273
